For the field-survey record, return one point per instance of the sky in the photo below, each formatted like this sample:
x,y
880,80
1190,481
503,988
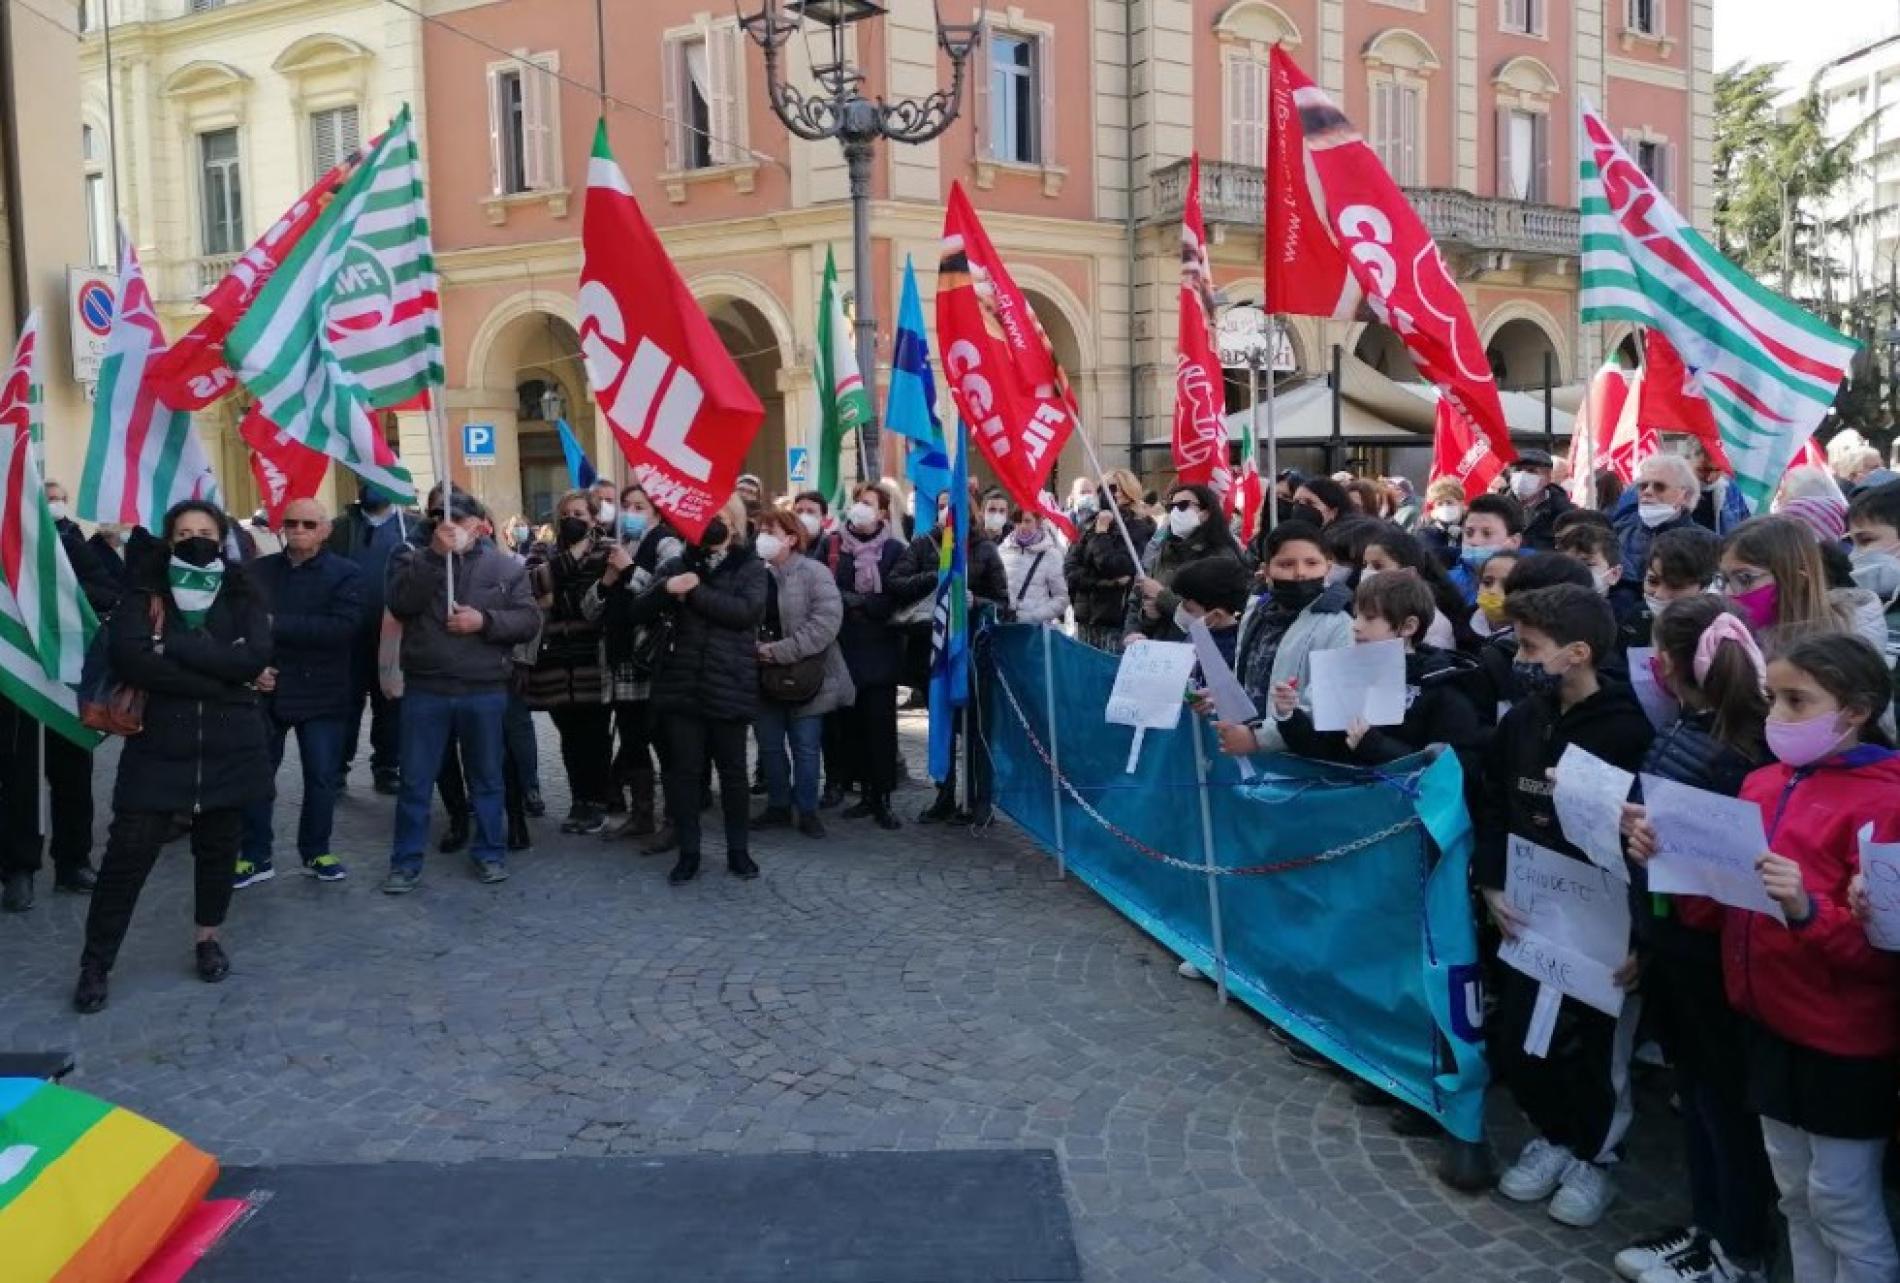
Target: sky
x,y
1769,31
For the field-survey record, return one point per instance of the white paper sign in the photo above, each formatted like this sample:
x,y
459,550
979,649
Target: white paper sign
x,y
1707,844
1589,798
1579,924
1358,681
1658,704
1231,701
1543,1021
1150,685
1880,868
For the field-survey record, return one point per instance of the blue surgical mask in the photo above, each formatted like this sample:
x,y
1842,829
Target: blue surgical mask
x,y
1475,557
633,524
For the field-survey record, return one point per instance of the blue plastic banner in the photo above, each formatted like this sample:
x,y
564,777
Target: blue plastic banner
x,y
1342,897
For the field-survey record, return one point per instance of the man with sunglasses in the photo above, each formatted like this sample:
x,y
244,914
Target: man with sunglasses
x,y
315,599
1666,490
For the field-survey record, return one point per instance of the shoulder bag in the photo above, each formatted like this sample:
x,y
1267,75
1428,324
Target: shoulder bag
x,y
797,682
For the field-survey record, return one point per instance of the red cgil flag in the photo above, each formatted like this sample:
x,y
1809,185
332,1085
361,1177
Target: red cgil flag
x,y
1374,258
679,408
1672,399
1460,452
1004,376
285,470
1200,428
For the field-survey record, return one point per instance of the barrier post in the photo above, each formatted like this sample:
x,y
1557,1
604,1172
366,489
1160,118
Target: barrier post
x,y
1055,751
1207,859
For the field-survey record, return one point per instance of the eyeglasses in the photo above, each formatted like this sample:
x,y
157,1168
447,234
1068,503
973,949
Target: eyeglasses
x,y
1742,580
1653,487
296,523
1184,505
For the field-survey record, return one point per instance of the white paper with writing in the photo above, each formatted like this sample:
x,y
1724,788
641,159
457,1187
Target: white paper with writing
x,y
1150,685
1880,869
1658,704
1707,844
1231,701
1358,681
1589,798
1578,923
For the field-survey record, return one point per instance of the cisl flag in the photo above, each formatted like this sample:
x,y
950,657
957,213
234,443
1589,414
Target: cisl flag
x,y
683,414
1460,452
284,469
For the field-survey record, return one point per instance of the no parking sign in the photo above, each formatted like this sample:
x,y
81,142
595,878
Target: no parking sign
x,y
92,298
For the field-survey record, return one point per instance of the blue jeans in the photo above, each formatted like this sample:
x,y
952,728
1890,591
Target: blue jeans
x,y
428,719
773,726
320,745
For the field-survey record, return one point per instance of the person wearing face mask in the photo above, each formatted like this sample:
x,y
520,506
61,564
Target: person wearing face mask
x,y
1038,593
67,767
1772,568
706,681
813,511
1819,1005
647,541
1720,506
1298,615
1098,568
1575,1097
194,635
1873,525
1493,524
1195,531
1661,497
108,545
1391,550
517,536
568,682
803,613
457,663
367,532
606,511
1442,524
1542,502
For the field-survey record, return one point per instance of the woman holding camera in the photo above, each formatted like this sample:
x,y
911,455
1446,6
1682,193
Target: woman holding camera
x,y
568,679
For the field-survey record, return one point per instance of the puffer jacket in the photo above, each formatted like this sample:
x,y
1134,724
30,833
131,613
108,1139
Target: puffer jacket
x,y
487,579
810,613
711,670
569,667
202,747
1324,624
316,609
872,645
1820,983
1100,572
1163,561
1040,597
916,572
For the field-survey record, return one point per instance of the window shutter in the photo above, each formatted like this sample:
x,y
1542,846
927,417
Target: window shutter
x,y
1534,17
1505,189
1409,167
497,166
672,65
349,131
1633,15
720,61
1044,70
1665,169
538,105
1540,158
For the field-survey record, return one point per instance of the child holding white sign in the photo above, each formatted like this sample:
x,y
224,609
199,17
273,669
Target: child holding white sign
x,y
1576,1094
1705,660
1821,1005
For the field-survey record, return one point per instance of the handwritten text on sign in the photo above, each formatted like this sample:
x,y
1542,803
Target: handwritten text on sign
x,y
1579,923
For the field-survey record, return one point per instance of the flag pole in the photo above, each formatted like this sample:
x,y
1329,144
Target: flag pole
x,y
439,447
1273,437
1095,462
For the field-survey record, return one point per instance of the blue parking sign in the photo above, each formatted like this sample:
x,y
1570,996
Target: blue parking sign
x,y
798,465
478,445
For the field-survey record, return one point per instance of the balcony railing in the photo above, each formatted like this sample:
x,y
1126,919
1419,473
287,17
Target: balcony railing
x,y
213,268
1237,194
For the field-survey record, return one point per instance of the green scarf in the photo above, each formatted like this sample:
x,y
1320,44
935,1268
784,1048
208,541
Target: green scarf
x,y
194,589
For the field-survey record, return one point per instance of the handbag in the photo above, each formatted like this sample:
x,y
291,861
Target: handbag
x,y
797,682
106,704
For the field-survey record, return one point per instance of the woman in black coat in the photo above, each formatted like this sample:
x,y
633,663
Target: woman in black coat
x,y
706,683
869,549
1098,566
194,636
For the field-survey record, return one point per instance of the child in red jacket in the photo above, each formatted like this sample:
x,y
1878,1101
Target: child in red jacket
x,y
1822,1005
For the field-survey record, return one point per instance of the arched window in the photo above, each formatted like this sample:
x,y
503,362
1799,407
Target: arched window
x,y
1247,31
1399,67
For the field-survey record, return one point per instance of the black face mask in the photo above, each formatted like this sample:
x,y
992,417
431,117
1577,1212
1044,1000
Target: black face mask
x,y
196,551
573,530
1304,512
1296,594
716,535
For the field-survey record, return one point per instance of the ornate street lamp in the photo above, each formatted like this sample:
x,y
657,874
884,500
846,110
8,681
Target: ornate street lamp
x,y
840,110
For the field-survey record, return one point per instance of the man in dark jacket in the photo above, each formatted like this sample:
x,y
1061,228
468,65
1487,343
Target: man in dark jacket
x,y
1543,503
316,607
366,533
456,642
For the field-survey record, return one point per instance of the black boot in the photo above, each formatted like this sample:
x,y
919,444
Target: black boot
x,y
89,995
639,821
662,842
457,837
519,839
880,803
77,879
17,897
942,809
1466,1166
684,870
740,865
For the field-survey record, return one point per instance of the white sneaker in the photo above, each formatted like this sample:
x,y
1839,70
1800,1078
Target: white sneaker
x,y
1188,971
1645,1254
1583,1196
1536,1172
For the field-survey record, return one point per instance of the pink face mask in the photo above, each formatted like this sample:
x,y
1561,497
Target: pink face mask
x,y
1759,604
1806,742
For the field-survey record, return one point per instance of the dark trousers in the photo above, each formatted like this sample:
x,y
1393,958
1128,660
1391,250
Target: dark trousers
x,y
132,846
840,762
1577,1096
587,748
692,742
969,751
639,745
320,752
870,732
385,715
69,779
524,756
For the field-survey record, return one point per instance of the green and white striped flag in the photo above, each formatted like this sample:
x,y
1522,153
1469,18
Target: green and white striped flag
x,y
843,404
1768,369
351,321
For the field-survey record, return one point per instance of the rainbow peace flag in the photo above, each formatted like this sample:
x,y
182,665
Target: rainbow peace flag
x,y
88,1191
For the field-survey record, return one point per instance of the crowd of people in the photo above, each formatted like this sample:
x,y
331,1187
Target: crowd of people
x,y
783,635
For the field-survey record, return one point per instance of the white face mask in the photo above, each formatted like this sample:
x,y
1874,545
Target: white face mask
x,y
810,521
607,513
862,516
1655,605
1182,618
1368,574
1526,485
1655,514
994,522
57,509
1878,571
1601,578
1448,514
769,546
1183,522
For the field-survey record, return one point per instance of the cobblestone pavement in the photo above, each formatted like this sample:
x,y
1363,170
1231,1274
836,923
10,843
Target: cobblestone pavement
x,y
917,990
